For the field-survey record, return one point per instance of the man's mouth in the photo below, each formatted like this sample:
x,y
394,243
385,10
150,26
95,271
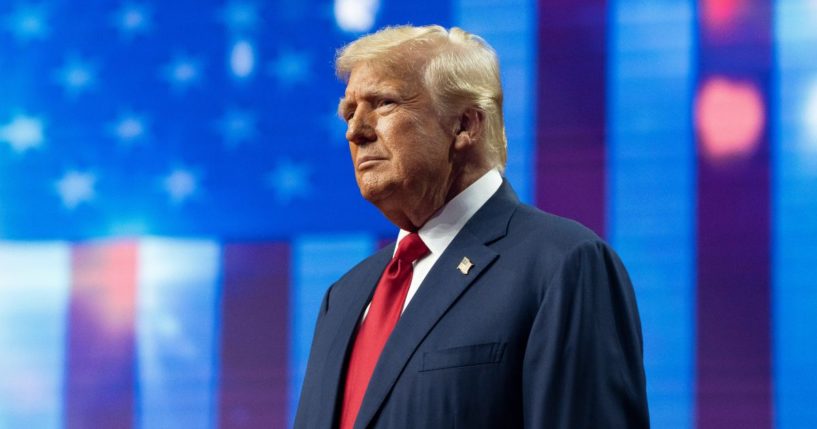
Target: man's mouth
x,y
367,161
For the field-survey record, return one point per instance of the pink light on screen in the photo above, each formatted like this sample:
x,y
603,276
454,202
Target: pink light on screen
x,y
729,117
104,284
718,14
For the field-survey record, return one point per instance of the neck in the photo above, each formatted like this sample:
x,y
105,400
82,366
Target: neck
x,y
413,216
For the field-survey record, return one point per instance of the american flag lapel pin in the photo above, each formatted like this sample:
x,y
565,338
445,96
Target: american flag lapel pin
x,y
465,265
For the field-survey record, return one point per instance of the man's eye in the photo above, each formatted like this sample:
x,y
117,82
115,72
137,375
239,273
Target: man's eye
x,y
386,102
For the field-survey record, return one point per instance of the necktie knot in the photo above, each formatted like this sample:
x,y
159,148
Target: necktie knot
x,y
411,248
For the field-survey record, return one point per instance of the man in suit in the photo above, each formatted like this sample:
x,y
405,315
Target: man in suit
x,y
487,313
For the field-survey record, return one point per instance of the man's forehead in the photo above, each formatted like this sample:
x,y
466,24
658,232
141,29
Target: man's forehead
x,y
380,78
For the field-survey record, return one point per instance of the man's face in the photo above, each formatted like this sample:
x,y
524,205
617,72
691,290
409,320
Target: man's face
x,y
401,148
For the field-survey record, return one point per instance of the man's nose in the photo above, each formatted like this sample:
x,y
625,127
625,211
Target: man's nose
x,y
360,130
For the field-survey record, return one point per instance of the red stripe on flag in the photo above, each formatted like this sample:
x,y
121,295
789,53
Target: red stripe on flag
x,y
100,376
571,111
255,336
734,377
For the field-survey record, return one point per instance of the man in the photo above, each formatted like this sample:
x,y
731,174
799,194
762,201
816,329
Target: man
x,y
487,313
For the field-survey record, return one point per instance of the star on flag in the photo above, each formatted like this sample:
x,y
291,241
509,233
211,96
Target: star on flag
x,y
75,188
22,133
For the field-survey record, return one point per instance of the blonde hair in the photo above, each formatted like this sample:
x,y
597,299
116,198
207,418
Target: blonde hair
x,y
458,68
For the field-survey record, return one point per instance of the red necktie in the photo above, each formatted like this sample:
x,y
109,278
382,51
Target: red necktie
x,y
384,311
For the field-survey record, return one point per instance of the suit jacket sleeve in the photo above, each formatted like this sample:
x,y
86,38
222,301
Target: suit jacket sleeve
x,y
583,364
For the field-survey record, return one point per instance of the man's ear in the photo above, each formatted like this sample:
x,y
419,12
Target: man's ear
x,y
469,127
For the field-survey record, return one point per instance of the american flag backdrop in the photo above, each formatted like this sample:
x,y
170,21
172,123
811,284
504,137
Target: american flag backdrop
x,y
176,195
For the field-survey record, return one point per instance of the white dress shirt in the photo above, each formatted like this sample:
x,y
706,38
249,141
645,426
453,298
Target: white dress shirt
x,y
439,231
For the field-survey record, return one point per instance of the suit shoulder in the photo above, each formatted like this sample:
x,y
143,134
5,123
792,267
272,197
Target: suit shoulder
x,y
549,230
545,246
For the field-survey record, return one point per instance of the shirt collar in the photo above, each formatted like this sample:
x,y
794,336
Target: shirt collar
x,y
439,231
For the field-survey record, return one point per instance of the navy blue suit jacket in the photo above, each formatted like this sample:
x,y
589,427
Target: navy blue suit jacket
x,y
542,332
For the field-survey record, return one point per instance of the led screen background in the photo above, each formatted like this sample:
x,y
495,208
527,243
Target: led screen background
x,y
176,195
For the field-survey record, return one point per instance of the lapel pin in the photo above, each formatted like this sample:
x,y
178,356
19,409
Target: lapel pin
x,y
465,265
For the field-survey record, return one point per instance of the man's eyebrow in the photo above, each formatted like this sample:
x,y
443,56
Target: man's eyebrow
x,y
374,94
382,93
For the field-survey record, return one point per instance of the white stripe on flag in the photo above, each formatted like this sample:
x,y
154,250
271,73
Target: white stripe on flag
x,y
794,209
34,289
651,189
178,324
317,261
510,27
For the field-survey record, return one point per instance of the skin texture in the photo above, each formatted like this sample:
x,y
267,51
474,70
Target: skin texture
x,y
409,160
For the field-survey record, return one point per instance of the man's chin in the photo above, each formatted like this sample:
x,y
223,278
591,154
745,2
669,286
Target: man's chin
x,y
373,196
374,189
380,196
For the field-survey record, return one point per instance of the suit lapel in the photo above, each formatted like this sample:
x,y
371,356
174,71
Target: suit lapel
x,y
362,286
439,290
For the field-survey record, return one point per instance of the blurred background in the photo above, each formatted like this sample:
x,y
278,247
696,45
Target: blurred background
x,y
176,194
